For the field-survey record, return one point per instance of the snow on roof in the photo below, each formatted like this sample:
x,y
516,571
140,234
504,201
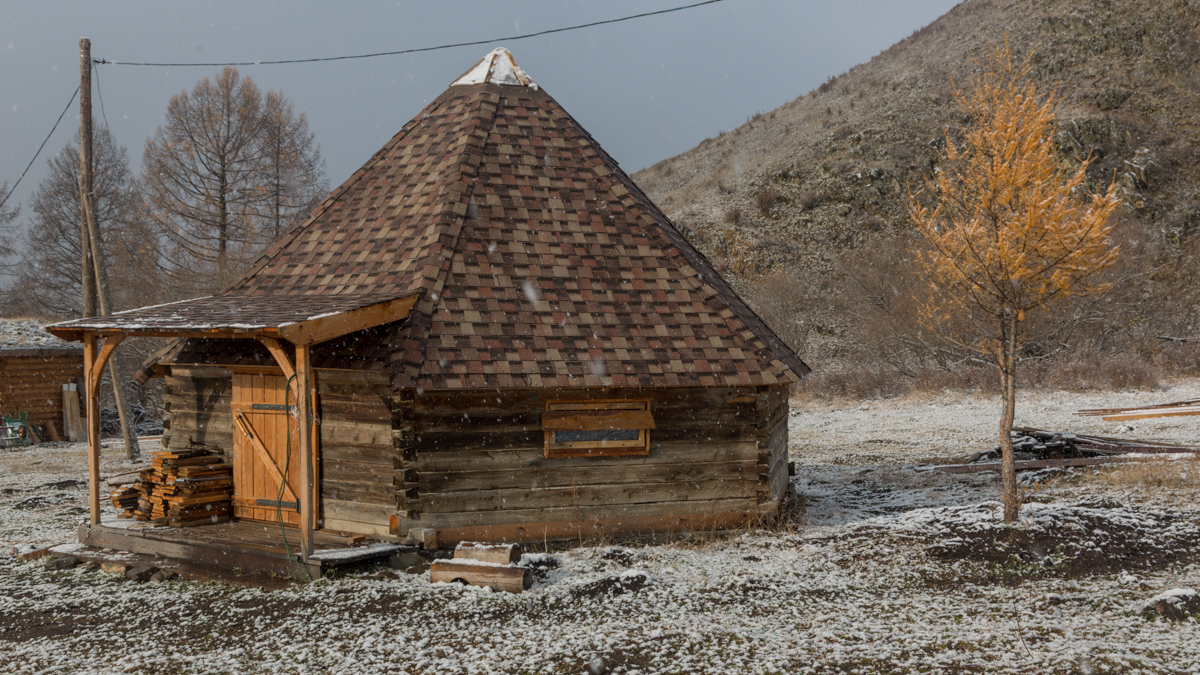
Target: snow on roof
x,y
498,67
29,334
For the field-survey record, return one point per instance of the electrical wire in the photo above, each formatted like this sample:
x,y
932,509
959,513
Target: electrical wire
x,y
101,97
419,49
287,464
39,150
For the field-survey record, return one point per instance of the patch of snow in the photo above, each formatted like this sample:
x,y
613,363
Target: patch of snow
x,y
503,70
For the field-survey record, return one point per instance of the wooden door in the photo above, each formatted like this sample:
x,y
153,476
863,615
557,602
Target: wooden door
x,y
262,452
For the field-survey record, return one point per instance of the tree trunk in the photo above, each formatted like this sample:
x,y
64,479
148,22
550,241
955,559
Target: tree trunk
x,y
1008,395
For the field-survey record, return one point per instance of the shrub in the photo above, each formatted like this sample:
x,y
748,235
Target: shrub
x,y
812,199
766,199
733,215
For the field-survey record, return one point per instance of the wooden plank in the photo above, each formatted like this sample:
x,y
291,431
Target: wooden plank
x,y
216,553
1149,414
264,456
1045,463
315,331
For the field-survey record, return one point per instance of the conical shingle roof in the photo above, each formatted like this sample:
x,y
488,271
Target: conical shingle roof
x,y
539,261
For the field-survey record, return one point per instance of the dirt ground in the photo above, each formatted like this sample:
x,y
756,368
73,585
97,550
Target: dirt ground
x,y
887,568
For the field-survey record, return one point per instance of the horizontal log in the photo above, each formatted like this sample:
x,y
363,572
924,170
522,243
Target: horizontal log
x,y
356,472
359,433
511,579
364,493
581,496
598,528
518,517
378,455
480,459
549,474
597,419
376,514
353,527
502,554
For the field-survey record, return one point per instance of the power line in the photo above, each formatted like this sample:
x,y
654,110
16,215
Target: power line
x,y
101,97
39,150
420,49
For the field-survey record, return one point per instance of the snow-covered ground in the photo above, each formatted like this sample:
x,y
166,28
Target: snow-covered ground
x,y
889,569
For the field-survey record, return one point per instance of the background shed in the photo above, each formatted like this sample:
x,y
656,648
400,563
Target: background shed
x,y
34,365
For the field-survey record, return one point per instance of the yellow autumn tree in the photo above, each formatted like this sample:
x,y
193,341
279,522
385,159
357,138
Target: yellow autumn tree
x,y
1011,229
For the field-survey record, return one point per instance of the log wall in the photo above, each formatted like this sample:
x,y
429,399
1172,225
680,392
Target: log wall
x,y
196,407
357,453
33,383
475,459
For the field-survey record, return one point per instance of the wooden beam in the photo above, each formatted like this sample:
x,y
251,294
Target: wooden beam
x,y
76,334
326,328
276,348
92,406
1048,463
305,385
1149,414
263,453
110,345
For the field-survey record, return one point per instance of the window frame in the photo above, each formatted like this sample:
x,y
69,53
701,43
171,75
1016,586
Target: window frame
x,y
643,423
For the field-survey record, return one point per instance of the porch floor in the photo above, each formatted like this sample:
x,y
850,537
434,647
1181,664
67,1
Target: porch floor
x,y
238,544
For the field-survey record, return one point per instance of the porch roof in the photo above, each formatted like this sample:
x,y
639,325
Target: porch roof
x,y
300,319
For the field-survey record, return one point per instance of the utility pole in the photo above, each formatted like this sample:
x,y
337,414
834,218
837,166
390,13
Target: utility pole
x,y
91,239
85,173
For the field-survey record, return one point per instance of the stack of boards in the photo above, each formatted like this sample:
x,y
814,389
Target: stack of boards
x,y
181,489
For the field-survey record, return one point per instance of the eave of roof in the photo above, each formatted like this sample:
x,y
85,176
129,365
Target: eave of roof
x,y
297,319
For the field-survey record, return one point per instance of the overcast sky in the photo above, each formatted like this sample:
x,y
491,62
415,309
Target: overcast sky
x,y
647,89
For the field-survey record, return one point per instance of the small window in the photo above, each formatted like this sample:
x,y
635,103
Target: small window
x,y
600,428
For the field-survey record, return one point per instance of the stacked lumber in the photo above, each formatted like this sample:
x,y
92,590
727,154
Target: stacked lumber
x,y
491,565
126,498
1041,444
1173,409
181,488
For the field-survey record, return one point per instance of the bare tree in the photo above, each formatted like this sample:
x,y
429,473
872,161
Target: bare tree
x,y
47,281
8,213
293,166
223,176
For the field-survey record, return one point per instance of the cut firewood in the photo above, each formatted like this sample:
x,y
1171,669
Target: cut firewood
x,y
509,578
181,488
494,553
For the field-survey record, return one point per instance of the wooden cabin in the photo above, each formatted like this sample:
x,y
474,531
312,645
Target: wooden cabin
x,y
487,333
34,366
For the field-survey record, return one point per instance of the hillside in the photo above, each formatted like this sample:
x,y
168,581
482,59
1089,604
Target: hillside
x,y
806,197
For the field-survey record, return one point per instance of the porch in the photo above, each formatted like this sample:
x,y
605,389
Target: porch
x,y
238,544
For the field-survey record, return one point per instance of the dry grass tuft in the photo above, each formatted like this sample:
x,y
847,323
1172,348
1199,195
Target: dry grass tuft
x,y
1164,473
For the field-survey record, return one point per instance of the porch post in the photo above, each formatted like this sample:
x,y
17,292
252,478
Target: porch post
x,y
92,406
304,408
